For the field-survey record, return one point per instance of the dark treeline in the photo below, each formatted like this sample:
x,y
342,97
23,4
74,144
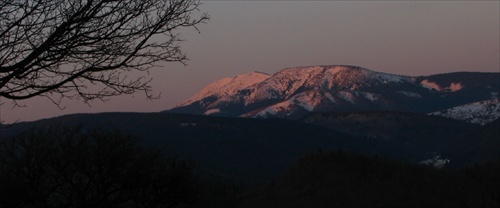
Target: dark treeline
x,y
92,167
339,179
82,167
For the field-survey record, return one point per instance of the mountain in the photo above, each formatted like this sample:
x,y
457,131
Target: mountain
x,y
410,135
481,112
295,92
221,92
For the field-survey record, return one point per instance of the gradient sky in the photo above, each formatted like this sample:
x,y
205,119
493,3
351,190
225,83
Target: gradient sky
x,y
401,37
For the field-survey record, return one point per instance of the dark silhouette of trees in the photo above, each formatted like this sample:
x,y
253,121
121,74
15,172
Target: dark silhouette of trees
x,y
342,179
78,167
85,49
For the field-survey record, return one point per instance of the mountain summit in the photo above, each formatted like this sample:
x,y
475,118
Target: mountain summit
x,y
226,86
294,92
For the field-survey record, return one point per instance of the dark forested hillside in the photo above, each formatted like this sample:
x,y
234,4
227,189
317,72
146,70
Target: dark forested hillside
x,y
412,133
344,167
337,179
259,150
241,149
477,147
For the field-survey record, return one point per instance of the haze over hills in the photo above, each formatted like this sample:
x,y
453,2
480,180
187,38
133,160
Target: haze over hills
x,y
295,92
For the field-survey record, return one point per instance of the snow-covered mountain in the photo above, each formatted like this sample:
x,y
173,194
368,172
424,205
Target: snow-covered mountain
x,y
481,112
294,92
222,91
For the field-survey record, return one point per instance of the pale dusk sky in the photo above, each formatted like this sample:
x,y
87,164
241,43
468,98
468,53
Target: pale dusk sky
x,y
401,37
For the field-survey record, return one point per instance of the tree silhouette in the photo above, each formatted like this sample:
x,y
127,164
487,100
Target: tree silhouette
x,y
85,49
78,167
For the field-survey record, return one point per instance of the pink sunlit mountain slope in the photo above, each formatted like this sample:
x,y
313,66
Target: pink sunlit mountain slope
x,y
224,90
295,92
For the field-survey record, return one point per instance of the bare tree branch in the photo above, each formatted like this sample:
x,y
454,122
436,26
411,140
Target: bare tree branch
x,y
85,49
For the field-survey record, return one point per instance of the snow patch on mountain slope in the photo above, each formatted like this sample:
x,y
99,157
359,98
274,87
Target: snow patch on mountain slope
x,y
391,77
227,86
272,110
455,87
481,112
307,100
436,162
430,85
410,94
212,111
330,97
434,86
370,96
348,96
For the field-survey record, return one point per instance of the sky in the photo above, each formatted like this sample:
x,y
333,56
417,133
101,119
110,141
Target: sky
x,y
401,37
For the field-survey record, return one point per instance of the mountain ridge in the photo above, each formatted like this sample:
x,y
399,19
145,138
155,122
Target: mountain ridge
x,y
295,91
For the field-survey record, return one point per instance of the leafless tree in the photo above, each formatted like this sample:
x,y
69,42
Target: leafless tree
x,y
86,49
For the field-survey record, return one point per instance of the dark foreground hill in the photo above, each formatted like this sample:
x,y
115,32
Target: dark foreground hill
x,y
95,167
337,179
486,146
412,133
247,150
256,150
